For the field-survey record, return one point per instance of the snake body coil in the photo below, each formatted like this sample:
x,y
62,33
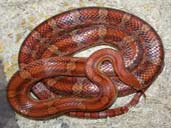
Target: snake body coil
x,y
85,87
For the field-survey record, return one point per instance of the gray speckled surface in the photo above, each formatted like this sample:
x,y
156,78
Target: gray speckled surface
x,y
19,17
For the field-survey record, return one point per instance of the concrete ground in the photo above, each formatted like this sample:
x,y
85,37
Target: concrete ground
x,y
19,17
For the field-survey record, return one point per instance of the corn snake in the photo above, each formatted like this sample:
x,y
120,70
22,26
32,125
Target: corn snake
x,y
139,47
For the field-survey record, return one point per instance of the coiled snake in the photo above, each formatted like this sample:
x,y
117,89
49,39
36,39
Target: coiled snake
x,y
79,86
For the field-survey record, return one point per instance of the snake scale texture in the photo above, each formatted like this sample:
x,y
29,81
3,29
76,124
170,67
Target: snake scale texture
x,y
79,86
